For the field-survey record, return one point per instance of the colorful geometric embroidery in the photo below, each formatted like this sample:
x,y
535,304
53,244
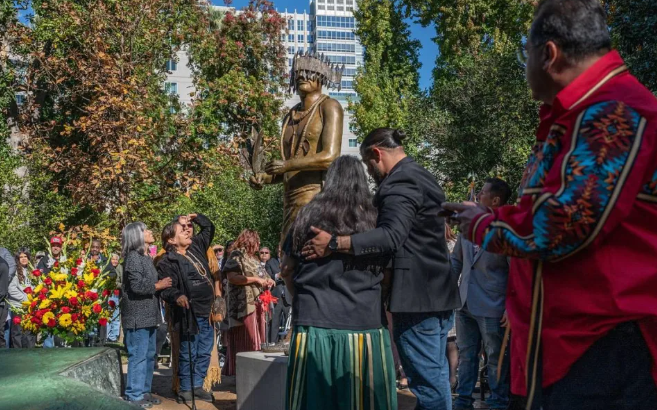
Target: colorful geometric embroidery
x,y
592,177
650,189
541,160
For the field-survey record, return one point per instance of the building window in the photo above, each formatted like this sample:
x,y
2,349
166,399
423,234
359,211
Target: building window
x,y
353,143
335,35
300,38
290,50
290,24
290,38
349,8
311,39
330,8
172,65
171,88
349,72
20,99
342,59
337,47
339,8
321,7
300,25
348,85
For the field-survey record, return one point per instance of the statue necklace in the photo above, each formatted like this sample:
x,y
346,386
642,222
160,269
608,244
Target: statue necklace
x,y
296,118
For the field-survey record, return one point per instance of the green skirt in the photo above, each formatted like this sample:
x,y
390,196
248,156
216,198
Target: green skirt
x,y
340,369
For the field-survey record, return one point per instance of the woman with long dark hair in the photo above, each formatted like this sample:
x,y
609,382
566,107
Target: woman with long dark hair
x,y
340,354
246,278
191,297
16,296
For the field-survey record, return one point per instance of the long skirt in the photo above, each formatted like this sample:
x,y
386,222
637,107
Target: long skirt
x,y
245,338
332,369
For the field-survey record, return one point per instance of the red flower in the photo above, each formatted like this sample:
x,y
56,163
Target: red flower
x,y
44,291
36,272
56,265
74,317
91,295
48,281
33,304
106,293
66,309
102,321
73,301
42,297
52,323
17,320
28,290
96,272
35,320
112,304
80,284
74,272
117,292
78,261
96,308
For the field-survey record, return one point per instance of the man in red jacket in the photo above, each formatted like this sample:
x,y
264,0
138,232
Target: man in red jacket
x,y
582,291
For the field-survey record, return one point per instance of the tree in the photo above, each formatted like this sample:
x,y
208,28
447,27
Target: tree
x,y
388,82
96,112
464,26
238,61
633,26
477,122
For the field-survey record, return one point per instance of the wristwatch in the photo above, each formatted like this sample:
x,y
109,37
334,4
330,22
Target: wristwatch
x,y
333,243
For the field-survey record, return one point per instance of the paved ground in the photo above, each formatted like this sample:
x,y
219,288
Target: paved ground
x,y
225,397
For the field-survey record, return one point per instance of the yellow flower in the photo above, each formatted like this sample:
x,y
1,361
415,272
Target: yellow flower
x,y
60,291
65,320
26,303
58,277
89,278
47,317
71,294
44,304
86,310
38,289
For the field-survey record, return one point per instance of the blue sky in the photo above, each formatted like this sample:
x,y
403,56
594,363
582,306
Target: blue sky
x,y
424,34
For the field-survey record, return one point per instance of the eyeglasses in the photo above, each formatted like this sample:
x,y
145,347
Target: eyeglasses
x,y
219,249
264,253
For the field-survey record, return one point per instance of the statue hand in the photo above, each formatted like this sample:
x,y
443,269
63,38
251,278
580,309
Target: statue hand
x,y
276,167
257,181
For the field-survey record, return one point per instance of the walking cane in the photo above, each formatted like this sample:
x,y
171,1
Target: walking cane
x,y
191,363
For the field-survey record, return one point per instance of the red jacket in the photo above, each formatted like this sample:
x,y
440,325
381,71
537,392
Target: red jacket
x,y
584,232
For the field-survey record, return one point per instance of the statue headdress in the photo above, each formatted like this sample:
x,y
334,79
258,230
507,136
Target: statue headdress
x,y
316,66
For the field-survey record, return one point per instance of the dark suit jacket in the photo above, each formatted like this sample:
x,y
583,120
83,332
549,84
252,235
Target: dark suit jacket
x,y
408,227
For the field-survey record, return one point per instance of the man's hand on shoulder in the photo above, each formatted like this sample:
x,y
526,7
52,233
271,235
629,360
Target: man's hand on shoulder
x,y
317,247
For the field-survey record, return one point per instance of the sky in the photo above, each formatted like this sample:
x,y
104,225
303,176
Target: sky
x,y
428,52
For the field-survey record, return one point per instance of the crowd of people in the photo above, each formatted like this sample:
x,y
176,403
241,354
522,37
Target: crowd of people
x,y
382,295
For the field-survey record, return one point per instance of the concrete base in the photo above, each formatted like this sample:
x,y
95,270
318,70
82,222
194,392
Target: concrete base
x,y
261,381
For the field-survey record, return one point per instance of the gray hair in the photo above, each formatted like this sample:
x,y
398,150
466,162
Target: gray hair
x,y
132,238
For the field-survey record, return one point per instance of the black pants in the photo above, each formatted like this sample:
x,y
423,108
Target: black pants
x,y
614,374
4,312
280,312
160,338
22,338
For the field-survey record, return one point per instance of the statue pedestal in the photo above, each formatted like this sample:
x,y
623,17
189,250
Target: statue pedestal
x,y
261,381
81,378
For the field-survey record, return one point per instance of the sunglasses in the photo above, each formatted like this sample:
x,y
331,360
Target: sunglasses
x,y
188,226
219,249
264,253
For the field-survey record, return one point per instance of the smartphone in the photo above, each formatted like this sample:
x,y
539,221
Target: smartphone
x,y
152,250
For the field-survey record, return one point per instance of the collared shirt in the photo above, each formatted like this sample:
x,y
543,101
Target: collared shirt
x,y
584,233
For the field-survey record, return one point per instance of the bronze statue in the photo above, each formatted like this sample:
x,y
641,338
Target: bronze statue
x,y
311,138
